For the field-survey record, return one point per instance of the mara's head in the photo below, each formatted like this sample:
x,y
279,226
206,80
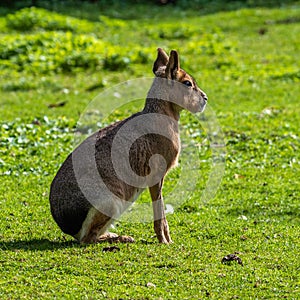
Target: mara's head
x,y
175,84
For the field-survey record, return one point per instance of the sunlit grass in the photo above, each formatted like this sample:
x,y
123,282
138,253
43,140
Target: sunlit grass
x,y
247,61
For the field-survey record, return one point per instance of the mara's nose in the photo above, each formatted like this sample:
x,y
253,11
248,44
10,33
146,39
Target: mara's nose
x,y
204,97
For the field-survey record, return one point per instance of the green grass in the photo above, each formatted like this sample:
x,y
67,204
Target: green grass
x,y
246,59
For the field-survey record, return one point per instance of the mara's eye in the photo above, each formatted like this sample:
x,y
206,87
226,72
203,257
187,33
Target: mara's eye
x,y
187,83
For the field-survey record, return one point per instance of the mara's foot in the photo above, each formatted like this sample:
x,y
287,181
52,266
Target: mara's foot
x,y
114,238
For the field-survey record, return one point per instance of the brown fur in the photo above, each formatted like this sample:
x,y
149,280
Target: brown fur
x,y
74,213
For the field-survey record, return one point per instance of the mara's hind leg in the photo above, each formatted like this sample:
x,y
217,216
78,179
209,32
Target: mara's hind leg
x,y
94,229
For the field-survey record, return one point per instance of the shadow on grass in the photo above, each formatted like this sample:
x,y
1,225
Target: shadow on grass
x,y
37,245
46,245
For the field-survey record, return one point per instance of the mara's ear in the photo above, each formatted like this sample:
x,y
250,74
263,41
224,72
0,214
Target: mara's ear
x,y
173,65
160,63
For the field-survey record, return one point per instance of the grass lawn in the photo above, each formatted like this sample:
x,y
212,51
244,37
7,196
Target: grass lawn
x,y
55,60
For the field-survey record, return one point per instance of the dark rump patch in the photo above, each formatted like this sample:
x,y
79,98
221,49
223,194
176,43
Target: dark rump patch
x,y
68,213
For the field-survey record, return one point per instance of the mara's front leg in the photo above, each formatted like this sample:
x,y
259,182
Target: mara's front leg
x,y
161,226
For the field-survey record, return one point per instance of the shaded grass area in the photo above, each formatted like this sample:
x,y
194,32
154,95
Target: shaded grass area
x,y
135,9
247,62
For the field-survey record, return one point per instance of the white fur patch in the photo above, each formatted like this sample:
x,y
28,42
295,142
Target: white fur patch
x,y
84,231
118,210
160,71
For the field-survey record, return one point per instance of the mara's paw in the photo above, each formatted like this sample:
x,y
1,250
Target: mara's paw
x,y
114,238
125,239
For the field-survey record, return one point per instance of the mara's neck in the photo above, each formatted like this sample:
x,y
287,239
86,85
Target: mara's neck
x,y
161,107
158,100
